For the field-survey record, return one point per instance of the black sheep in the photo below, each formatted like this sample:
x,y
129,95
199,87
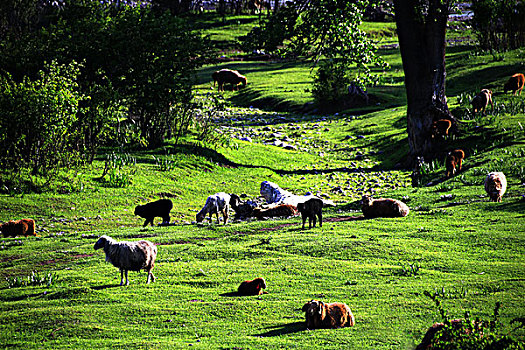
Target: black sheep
x,y
149,211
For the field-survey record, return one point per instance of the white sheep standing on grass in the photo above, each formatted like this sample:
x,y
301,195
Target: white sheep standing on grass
x,y
495,185
134,256
218,202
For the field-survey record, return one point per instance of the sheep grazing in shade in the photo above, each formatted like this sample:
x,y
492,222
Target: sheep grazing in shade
x,y
430,335
383,207
228,76
482,100
327,315
281,210
495,185
454,158
254,287
13,228
129,256
149,211
515,84
440,128
218,202
311,209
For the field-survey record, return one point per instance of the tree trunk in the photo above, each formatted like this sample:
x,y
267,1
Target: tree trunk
x,y
421,32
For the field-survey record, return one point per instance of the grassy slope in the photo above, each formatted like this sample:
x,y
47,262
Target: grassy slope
x,y
468,249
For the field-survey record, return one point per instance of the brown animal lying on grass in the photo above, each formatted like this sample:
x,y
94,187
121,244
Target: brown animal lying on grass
x,y
495,185
13,228
254,287
311,209
383,207
454,158
481,101
327,315
281,210
228,76
430,335
440,127
515,84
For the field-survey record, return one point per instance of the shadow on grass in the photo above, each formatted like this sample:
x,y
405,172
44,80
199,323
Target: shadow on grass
x,y
283,329
105,286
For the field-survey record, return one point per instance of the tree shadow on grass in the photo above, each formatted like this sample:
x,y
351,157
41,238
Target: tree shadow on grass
x,y
275,331
105,286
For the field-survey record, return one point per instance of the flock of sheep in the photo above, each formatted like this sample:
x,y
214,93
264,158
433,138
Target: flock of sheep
x,y
141,255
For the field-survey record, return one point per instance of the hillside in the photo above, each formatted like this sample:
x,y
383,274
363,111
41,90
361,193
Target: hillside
x,y
58,293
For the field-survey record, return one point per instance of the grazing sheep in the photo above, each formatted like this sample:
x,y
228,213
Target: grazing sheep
x,y
149,211
454,158
495,185
254,287
228,76
218,202
481,101
13,228
428,338
384,207
515,84
440,128
327,315
311,209
280,210
134,256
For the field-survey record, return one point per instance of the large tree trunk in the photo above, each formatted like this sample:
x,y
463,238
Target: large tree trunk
x,y
421,27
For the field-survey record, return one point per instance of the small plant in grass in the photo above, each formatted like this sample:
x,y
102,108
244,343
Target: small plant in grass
x,y
166,163
34,279
114,168
470,335
410,269
454,293
445,187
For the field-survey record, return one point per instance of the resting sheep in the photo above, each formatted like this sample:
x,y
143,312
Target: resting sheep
x,y
454,158
515,84
383,207
134,256
228,76
254,287
218,202
440,128
495,185
481,101
311,209
327,315
149,211
429,337
13,228
281,210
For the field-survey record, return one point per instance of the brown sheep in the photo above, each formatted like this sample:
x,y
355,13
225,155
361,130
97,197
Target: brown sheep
x,y
13,228
428,338
277,211
481,101
254,287
383,207
228,76
441,127
495,185
311,209
327,315
454,158
515,84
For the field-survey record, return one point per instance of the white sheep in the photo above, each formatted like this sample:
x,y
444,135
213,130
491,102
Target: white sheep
x,y
218,202
134,256
495,185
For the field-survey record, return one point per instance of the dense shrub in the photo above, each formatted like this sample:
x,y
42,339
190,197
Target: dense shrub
x,y
38,120
330,84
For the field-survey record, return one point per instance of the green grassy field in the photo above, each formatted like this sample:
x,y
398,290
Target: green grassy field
x,y
454,243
